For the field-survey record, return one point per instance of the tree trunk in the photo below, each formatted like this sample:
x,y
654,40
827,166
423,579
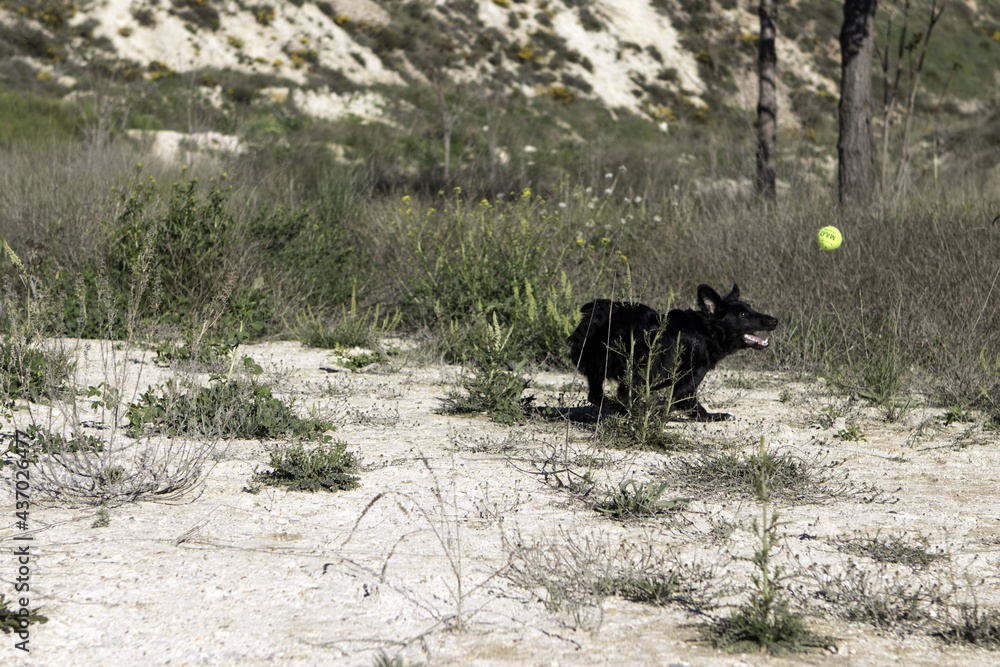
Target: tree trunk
x,y
447,124
857,40
767,104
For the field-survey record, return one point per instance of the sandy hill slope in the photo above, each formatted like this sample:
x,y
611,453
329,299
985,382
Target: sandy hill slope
x,y
638,57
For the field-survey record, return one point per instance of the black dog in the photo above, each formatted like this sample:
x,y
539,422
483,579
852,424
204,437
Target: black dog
x,y
687,344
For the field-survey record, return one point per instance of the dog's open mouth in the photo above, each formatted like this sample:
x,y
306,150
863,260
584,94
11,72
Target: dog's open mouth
x,y
755,342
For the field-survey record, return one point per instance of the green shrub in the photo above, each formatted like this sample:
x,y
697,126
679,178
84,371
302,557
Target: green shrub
x,y
30,372
764,621
325,467
43,441
655,590
466,261
229,408
643,424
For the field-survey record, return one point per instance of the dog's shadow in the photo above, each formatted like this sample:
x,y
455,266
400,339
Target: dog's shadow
x,y
585,414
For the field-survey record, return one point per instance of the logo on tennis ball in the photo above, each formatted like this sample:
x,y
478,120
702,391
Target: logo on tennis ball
x,y
829,238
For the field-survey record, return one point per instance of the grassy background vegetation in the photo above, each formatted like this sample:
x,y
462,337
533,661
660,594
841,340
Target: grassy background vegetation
x,y
264,242
598,206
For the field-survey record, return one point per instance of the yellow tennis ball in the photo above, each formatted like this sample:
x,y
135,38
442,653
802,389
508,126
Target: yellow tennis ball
x,y
829,238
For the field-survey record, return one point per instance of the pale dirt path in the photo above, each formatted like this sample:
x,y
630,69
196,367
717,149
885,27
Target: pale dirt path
x,y
296,578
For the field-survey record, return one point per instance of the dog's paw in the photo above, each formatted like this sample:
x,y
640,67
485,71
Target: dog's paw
x,y
718,417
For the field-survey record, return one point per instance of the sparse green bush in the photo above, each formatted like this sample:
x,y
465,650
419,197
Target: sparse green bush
x,y
233,407
102,519
495,383
635,499
782,472
655,590
31,372
852,434
764,621
643,424
28,369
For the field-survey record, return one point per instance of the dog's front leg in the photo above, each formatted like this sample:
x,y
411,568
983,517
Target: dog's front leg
x,y
691,406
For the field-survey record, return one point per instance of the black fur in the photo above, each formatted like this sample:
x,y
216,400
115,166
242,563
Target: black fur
x,y
610,329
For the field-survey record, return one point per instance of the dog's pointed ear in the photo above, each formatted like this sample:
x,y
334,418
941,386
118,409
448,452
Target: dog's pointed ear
x,y
734,294
708,299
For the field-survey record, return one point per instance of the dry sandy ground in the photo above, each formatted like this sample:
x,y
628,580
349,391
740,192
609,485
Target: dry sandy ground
x,y
416,561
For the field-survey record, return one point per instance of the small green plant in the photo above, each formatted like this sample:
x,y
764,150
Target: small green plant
x,y
643,424
111,475
635,499
29,372
495,384
655,590
383,659
102,519
356,359
171,351
830,414
328,467
851,433
765,621
960,413
12,620
728,474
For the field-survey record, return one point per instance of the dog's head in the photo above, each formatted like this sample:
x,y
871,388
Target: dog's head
x,y
737,318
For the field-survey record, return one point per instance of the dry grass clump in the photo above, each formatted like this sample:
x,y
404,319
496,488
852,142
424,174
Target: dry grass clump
x,y
892,549
905,599
573,574
812,480
157,469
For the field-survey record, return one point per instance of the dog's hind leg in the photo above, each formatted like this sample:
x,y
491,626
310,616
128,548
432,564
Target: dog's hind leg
x,y
595,391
